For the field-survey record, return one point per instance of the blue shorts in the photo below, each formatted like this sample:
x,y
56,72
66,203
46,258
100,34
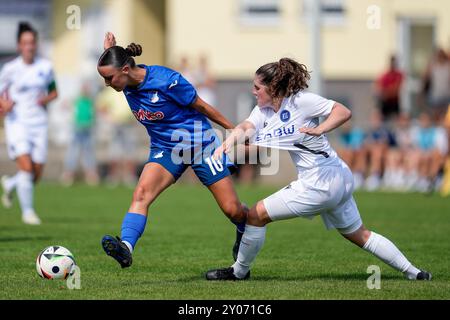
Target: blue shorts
x,y
207,169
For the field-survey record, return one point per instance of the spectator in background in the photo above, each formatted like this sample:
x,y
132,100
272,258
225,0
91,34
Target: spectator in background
x,y
205,82
431,146
379,139
186,70
445,188
82,142
437,83
351,150
122,144
387,89
400,171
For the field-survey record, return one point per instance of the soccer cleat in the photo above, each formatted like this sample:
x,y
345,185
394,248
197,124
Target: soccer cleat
x,y
237,243
115,248
224,274
6,196
31,218
424,275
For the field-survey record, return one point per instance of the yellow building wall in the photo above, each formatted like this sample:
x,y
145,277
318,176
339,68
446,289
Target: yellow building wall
x,y
139,21
349,51
149,30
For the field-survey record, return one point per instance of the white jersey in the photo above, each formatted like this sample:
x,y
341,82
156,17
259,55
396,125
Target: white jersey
x,y
281,130
25,84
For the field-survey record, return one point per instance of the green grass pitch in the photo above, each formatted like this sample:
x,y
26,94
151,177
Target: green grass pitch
x,y
187,234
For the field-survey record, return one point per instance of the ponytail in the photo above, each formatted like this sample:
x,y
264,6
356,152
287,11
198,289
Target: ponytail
x,y
117,56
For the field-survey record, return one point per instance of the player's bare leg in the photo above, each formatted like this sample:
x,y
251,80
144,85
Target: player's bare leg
x,y
228,201
153,180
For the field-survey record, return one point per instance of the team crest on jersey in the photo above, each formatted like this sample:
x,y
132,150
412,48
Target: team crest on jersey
x,y
285,115
154,98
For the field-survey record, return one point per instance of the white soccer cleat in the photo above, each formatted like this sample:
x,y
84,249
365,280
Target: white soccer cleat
x,y
31,219
6,196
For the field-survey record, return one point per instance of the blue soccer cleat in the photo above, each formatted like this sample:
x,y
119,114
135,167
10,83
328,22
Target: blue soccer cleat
x,y
115,248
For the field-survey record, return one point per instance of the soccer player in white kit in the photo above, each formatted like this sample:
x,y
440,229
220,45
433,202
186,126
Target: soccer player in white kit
x,y
27,85
287,117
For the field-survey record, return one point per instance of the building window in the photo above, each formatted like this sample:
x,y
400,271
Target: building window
x,y
259,12
332,11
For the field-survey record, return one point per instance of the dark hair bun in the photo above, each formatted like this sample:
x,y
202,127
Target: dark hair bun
x,y
134,50
25,27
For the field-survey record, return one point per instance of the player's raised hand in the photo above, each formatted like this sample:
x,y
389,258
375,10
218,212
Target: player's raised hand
x,y
224,148
110,40
311,131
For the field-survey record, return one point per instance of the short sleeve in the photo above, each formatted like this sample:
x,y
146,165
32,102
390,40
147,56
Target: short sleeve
x,y
257,118
313,105
180,90
51,82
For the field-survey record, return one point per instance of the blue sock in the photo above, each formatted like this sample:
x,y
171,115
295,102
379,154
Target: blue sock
x,y
240,226
133,226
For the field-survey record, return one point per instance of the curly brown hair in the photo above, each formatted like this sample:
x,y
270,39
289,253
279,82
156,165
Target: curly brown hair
x,y
284,78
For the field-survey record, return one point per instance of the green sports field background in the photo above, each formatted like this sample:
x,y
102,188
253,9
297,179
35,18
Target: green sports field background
x,y
187,234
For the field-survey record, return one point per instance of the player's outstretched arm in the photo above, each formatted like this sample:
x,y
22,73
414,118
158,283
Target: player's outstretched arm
x,y
238,135
110,40
339,114
212,113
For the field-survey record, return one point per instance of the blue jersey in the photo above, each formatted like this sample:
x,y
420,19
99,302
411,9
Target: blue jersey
x,y
162,104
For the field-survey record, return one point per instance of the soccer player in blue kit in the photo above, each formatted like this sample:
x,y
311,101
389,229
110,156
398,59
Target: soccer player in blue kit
x,y
176,120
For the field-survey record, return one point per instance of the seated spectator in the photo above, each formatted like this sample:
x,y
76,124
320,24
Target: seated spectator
x,y
445,188
352,151
379,139
431,146
401,166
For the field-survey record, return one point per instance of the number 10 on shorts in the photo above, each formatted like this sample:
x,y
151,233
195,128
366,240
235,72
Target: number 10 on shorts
x,y
214,165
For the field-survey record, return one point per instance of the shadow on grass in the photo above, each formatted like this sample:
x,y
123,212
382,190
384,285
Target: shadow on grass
x,y
341,277
309,277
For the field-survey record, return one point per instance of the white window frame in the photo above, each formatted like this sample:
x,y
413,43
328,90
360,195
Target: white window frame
x,y
260,12
333,12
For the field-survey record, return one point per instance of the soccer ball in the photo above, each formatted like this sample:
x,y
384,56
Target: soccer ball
x,y
55,262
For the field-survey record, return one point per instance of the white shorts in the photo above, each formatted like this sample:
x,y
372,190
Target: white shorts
x,y
324,191
24,139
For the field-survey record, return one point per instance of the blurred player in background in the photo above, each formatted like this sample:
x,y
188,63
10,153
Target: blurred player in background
x,y
176,120
27,85
287,117
82,144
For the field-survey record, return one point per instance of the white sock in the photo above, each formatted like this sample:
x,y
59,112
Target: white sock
x,y
252,241
130,247
11,183
25,191
385,250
